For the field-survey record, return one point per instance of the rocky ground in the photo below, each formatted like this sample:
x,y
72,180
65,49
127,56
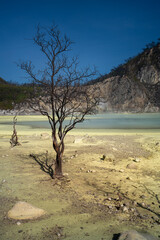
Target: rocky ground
x,y
110,185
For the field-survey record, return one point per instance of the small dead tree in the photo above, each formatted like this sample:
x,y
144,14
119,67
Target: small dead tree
x,y
14,138
60,89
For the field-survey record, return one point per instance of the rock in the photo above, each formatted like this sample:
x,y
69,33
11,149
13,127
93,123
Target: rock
x,y
125,209
142,196
121,170
110,207
45,136
103,157
134,235
24,210
143,204
65,174
74,155
18,223
108,157
137,160
133,210
132,166
89,171
115,149
128,178
82,169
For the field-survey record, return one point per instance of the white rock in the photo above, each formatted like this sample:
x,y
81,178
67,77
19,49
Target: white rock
x,y
65,174
136,160
18,223
125,209
132,209
24,210
132,166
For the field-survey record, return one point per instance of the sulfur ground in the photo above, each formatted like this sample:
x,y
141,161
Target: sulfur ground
x,y
88,202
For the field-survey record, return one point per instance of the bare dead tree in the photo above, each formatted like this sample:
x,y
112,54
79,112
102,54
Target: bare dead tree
x,y
60,88
14,138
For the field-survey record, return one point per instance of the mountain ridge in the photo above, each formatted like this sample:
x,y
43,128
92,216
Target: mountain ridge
x,y
130,87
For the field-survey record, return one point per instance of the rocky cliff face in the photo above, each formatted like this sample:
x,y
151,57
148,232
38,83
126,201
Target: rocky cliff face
x,y
149,74
135,85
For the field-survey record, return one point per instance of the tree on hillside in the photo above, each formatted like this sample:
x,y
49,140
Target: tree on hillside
x,y
60,88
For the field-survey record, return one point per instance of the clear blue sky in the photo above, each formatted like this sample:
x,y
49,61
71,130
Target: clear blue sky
x,y
105,32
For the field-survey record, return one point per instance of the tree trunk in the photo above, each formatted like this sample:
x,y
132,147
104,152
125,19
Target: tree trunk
x,y
59,149
58,165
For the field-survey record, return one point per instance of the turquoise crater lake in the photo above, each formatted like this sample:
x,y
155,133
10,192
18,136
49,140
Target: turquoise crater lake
x,y
107,121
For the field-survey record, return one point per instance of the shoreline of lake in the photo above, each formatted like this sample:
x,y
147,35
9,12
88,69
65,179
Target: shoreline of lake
x,y
112,121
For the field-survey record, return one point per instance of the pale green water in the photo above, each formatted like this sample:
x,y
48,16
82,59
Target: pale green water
x,y
104,121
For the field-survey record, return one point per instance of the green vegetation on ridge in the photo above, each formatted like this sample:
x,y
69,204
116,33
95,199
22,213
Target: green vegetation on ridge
x,y
11,94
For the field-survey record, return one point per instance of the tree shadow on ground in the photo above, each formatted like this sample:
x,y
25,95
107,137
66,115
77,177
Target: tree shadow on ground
x,y
43,161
